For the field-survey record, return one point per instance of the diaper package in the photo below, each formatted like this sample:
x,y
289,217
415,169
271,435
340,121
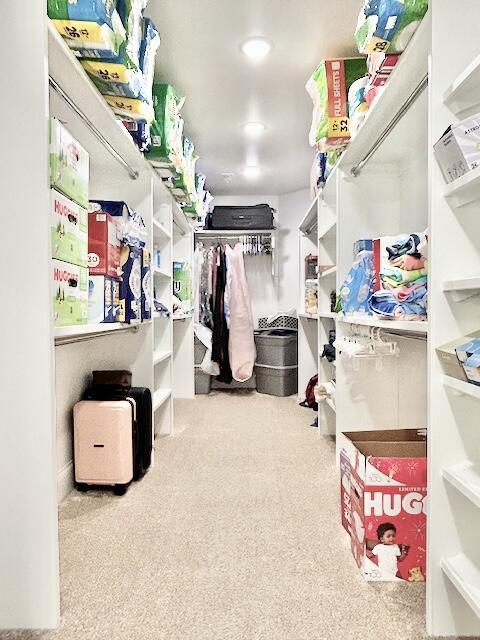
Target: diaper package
x,y
132,227
131,14
130,302
328,87
101,307
357,106
182,284
388,24
69,227
104,235
140,132
91,28
167,128
69,292
146,284
69,164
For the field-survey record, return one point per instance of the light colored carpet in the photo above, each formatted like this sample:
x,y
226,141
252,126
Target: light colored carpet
x,y
234,535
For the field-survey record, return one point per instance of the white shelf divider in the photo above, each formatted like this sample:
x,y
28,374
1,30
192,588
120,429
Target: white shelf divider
x,y
465,477
327,231
328,272
160,356
161,272
465,577
329,402
307,316
463,288
464,190
464,92
465,388
160,397
406,326
327,314
159,230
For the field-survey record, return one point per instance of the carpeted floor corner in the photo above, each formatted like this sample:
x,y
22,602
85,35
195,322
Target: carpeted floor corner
x,y
234,535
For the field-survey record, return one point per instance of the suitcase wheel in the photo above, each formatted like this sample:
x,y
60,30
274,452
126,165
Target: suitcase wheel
x,y
120,489
81,486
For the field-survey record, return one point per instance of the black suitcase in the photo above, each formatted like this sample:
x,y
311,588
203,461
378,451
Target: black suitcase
x,y
117,387
259,216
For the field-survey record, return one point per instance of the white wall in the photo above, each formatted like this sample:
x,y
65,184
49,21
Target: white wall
x,y
271,295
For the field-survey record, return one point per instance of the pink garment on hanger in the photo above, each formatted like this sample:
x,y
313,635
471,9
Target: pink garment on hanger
x,y
241,343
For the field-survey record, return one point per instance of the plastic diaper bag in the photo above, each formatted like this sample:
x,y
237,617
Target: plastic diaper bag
x,y
357,289
388,24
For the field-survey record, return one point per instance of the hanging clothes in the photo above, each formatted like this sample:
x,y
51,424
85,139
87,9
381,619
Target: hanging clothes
x,y
241,342
198,261
220,351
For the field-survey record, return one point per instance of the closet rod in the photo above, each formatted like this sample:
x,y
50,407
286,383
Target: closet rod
x,y
355,171
131,172
91,336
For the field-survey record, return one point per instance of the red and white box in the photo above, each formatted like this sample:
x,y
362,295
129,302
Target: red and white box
x,y
104,243
383,489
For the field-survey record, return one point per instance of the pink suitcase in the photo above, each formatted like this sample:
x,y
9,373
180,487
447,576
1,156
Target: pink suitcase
x,y
103,443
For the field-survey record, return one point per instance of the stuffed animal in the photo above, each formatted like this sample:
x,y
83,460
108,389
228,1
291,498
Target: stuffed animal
x,y
416,575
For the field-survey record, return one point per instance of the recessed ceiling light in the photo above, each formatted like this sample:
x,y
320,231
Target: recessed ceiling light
x,y
254,128
252,172
256,48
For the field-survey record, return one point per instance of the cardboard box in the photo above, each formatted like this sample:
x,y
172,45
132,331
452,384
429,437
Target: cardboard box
x,y
69,225
100,299
383,495
458,150
147,302
448,357
69,292
103,243
130,303
69,164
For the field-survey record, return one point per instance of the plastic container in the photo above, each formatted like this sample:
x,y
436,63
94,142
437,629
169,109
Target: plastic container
x,y
203,382
277,381
277,347
200,351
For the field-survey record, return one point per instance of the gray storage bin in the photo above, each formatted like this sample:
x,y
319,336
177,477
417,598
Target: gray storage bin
x,y
203,382
277,347
277,381
200,351
248,384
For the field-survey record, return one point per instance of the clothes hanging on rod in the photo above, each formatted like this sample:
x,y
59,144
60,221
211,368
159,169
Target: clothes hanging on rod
x,y
220,350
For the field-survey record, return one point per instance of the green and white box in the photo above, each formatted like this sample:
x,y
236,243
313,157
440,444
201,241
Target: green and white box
x,y
70,293
69,164
458,150
69,224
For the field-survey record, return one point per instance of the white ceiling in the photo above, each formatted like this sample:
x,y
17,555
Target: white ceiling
x,y
200,55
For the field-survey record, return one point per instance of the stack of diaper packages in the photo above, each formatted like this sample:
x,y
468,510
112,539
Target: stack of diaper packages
x,y
117,47
401,268
69,179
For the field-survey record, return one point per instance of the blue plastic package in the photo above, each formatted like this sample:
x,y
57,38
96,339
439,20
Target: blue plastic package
x,y
357,289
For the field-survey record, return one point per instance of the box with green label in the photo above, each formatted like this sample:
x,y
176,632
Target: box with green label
x,y
69,164
70,294
69,226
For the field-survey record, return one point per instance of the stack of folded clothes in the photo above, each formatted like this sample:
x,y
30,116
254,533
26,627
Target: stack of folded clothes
x,y
403,292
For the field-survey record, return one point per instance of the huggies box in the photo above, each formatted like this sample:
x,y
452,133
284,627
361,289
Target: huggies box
x,y
69,225
70,296
69,164
383,480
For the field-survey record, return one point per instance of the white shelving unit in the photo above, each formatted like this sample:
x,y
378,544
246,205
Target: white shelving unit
x,y
55,364
388,182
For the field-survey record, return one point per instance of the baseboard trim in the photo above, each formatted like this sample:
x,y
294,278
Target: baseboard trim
x,y
65,481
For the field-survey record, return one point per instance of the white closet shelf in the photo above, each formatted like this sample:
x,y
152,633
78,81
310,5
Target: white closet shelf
x,y
180,219
405,326
465,477
309,221
328,272
465,577
461,386
160,356
156,315
182,316
327,314
329,402
83,330
464,190
464,92
307,316
328,230
160,396
159,230
408,76
161,272
462,284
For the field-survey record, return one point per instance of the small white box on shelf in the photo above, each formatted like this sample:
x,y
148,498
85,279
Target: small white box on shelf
x,y
101,307
458,150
